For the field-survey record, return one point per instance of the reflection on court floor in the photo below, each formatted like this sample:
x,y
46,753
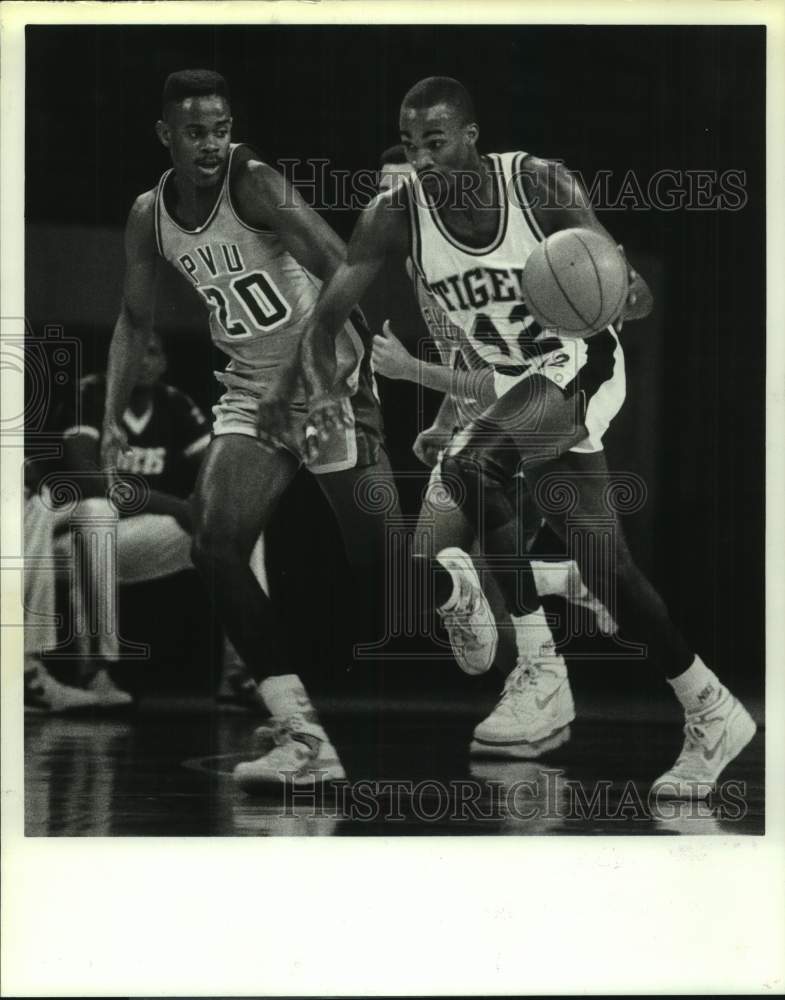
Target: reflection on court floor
x,y
166,771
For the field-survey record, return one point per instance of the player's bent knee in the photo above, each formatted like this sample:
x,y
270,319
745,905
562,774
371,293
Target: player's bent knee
x,y
478,487
460,478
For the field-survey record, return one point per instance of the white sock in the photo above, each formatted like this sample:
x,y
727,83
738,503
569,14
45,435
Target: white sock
x,y
532,635
284,695
550,577
697,687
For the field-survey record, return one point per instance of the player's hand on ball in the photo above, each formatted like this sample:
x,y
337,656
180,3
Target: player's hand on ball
x,y
390,358
429,443
632,296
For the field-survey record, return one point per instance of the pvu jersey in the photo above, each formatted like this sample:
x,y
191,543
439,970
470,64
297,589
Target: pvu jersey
x,y
259,297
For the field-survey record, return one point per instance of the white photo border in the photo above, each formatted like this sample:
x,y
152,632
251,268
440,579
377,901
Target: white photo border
x,y
376,916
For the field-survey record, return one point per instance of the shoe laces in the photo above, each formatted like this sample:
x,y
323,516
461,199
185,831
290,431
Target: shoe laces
x,y
283,728
520,682
459,622
698,725
694,735
292,730
524,676
520,686
695,741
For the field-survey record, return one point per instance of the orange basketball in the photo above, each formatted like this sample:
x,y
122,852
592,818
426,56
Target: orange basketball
x,y
575,282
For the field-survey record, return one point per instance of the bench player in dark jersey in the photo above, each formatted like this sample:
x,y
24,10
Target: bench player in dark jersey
x,y
167,436
249,245
469,223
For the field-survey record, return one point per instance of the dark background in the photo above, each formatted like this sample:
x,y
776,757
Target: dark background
x,y
618,99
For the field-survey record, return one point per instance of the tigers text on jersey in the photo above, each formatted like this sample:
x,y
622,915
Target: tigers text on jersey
x,y
452,343
481,289
259,297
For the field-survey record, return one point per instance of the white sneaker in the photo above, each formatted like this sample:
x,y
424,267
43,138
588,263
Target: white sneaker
x,y
534,712
45,694
713,737
467,616
579,594
303,756
108,693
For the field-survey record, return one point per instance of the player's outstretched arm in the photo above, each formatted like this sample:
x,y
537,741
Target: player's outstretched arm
x,y
267,200
133,327
561,202
380,233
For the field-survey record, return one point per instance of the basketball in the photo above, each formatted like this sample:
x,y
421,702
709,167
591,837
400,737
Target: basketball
x,y
575,282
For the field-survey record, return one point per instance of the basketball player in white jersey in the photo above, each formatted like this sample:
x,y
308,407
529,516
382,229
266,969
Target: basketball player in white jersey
x,y
243,238
467,382
468,222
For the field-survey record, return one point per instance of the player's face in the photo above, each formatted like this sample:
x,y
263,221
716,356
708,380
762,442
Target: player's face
x,y
197,133
153,363
437,143
391,173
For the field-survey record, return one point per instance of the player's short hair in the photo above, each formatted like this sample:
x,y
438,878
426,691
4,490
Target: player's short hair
x,y
193,83
441,90
393,156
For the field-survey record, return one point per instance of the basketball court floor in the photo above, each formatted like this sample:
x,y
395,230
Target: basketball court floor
x,y
165,770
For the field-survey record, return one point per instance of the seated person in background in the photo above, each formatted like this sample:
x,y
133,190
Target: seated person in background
x,y
42,691
167,438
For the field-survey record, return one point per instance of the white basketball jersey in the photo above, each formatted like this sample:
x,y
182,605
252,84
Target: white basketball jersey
x,y
450,340
259,297
481,289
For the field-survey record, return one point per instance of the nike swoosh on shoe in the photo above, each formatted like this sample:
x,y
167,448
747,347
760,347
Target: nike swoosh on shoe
x,y
542,703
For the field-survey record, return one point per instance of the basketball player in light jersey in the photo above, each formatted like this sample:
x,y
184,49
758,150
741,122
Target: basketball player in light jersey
x,y
467,382
243,238
469,222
